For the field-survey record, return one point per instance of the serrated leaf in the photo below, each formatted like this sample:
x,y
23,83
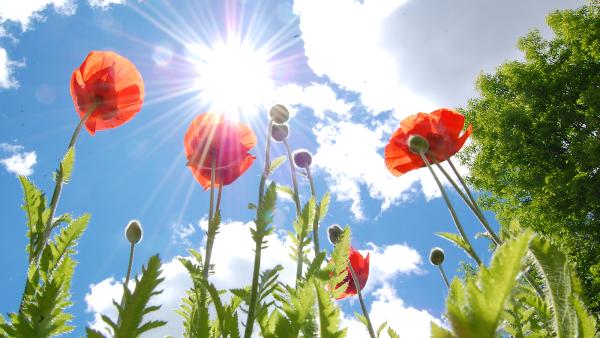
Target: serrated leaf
x,y
436,332
65,168
276,163
457,240
134,306
337,266
361,319
475,309
329,314
251,206
381,328
93,333
34,205
324,205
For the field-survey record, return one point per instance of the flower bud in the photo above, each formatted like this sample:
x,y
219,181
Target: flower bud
x,y
279,132
302,158
436,256
134,232
418,144
335,232
279,114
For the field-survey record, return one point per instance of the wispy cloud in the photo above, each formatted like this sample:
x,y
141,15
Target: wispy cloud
x,y
19,161
25,12
7,68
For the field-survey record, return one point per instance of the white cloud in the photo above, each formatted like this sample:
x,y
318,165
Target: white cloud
x,y
388,307
19,162
388,262
7,68
25,12
105,4
181,233
318,97
351,156
343,41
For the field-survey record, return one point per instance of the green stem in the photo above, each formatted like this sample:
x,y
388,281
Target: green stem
x,y
59,182
444,276
459,227
210,235
496,239
362,302
254,289
266,171
469,202
129,265
298,208
313,192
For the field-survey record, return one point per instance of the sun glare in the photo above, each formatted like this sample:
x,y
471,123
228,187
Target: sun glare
x,y
233,78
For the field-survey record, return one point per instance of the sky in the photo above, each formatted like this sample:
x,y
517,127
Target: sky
x,y
348,71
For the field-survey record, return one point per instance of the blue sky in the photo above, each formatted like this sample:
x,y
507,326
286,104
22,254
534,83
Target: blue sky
x,y
348,71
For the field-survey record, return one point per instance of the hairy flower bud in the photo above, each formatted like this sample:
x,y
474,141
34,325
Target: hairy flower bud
x,y
418,144
302,158
279,114
334,231
279,132
134,232
436,256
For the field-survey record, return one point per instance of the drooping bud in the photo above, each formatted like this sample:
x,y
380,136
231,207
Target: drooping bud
x,y
418,144
335,232
302,158
279,132
279,114
436,256
134,232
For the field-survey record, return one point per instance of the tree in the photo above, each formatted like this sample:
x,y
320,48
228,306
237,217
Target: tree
x,y
536,140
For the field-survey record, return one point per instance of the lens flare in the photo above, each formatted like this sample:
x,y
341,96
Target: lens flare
x,y
233,77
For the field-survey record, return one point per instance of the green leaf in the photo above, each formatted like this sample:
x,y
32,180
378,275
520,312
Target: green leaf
x,y
561,288
381,328
286,190
457,240
361,319
436,332
135,305
476,308
35,209
324,205
251,206
337,266
329,314
65,168
93,333
276,163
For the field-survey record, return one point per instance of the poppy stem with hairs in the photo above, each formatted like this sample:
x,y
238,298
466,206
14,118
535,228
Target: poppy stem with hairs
x,y
361,300
479,214
459,227
59,182
313,192
469,202
298,207
266,171
210,236
444,275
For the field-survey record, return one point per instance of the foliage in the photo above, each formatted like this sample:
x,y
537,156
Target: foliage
x,y
495,300
47,289
535,144
134,306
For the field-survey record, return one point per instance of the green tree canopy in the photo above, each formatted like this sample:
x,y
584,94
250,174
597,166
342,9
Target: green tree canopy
x,y
536,139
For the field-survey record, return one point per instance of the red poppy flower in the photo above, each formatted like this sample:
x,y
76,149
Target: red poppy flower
x,y
211,138
113,84
442,129
361,268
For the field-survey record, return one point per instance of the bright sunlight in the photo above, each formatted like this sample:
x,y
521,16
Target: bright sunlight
x,y
234,77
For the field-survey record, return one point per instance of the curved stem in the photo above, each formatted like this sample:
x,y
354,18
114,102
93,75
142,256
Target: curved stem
x,y
129,265
459,227
210,236
313,192
362,302
469,202
294,178
266,171
59,183
444,276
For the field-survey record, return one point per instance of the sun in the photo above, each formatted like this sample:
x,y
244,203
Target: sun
x,y
233,77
